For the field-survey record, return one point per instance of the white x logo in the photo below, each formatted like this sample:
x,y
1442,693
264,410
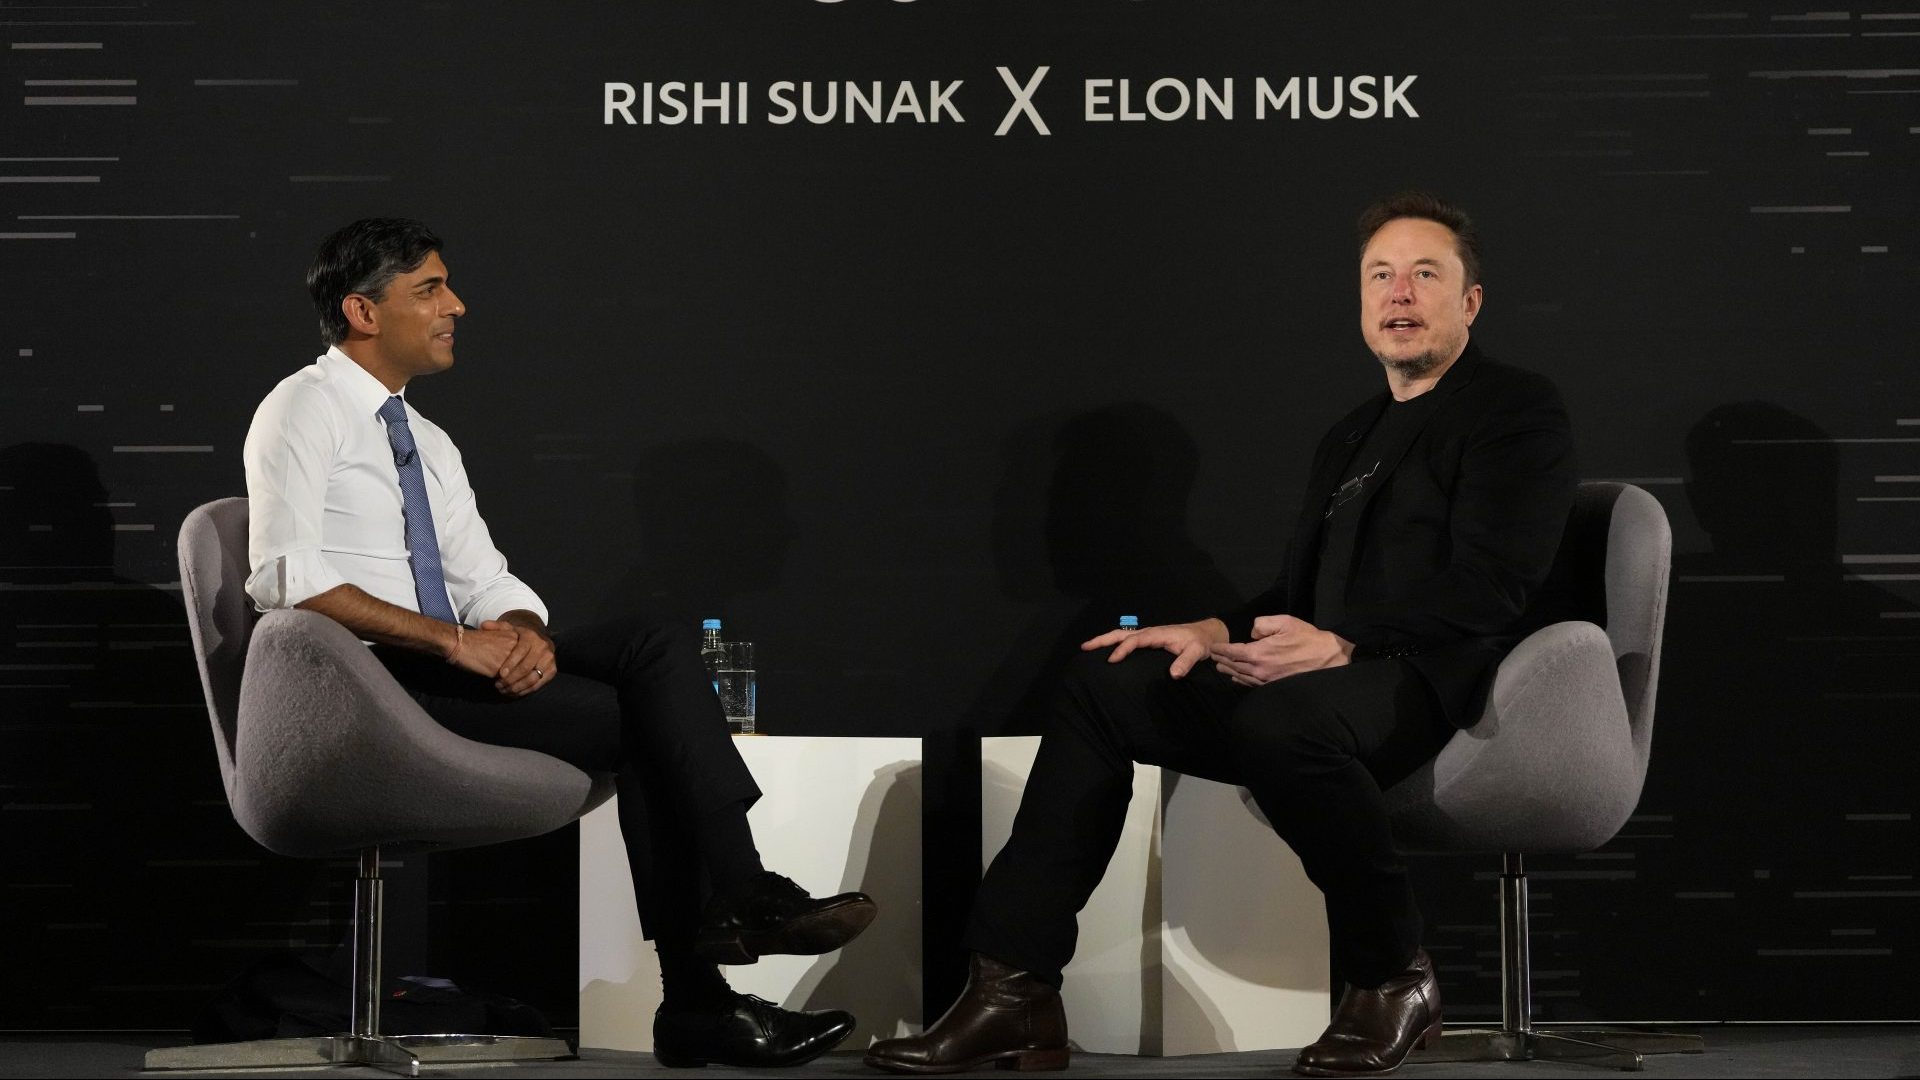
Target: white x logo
x,y
1023,100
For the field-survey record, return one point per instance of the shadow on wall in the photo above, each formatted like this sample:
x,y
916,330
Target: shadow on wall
x,y
1090,523
872,977
1274,933
714,524
1761,481
1784,715
1770,637
130,888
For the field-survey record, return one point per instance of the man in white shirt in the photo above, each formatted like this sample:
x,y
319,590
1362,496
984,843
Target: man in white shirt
x,y
360,509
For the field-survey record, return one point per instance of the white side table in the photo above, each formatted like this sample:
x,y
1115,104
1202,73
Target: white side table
x,y
1205,936
837,814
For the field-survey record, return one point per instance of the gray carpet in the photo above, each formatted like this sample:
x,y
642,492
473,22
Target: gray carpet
x,y
1839,1050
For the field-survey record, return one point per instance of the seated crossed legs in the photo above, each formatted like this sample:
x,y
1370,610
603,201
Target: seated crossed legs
x,y
633,698
1316,749
345,476
1432,511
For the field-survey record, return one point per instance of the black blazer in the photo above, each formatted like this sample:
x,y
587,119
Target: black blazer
x,y
1458,528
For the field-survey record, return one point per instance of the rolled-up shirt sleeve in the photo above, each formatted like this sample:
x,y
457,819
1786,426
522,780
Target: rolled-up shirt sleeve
x,y
478,582
289,451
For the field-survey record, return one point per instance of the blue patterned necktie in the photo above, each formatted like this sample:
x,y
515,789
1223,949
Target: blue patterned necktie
x,y
423,548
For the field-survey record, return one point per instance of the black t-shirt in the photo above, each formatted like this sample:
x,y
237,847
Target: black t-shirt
x,y
1389,437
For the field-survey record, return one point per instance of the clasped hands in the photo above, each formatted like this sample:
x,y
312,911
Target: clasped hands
x,y
1282,646
517,657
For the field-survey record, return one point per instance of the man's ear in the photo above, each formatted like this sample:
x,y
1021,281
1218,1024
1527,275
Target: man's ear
x,y
362,316
1472,301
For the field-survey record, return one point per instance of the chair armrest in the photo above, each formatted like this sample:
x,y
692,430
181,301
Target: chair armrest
x,y
332,755
1550,766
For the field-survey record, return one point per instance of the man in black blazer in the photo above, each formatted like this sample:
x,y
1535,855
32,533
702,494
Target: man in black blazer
x,y
1432,513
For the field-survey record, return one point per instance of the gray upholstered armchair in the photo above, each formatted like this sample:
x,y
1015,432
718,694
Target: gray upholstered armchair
x,y
1556,762
325,755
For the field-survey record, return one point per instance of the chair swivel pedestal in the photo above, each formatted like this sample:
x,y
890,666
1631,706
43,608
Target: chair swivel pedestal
x,y
1517,1039
362,1044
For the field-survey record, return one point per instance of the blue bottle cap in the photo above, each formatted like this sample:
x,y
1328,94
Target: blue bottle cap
x,y
1129,622
709,624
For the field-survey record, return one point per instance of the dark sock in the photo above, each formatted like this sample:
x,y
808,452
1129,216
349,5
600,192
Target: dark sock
x,y
688,983
726,847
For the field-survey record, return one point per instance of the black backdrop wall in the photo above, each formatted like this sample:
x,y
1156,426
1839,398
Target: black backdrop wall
x,y
913,405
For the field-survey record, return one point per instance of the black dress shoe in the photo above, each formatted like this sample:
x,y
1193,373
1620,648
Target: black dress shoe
x,y
773,915
1374,1030
754,1034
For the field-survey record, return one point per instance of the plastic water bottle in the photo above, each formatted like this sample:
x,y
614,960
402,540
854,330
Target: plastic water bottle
x,y
1129,622
712,653
730,667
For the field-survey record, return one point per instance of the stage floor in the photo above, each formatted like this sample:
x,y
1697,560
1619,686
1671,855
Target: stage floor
x,y
1734,1050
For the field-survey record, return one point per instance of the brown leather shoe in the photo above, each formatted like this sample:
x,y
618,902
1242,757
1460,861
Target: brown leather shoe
x,y
1004,1016
1373,1031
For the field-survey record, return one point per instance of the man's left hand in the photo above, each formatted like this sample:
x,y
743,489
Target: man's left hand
x,y
1282,646
531,664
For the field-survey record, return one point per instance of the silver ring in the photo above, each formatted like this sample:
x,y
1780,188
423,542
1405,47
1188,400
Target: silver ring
x,y
539,673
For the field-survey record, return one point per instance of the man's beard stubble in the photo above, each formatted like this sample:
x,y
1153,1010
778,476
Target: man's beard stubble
x,y
1413,367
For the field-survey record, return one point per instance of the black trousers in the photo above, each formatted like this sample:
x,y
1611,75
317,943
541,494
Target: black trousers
x,y
1316,750
631,698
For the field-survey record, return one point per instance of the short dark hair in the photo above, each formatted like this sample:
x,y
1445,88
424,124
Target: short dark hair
x,y
364,258
1429,207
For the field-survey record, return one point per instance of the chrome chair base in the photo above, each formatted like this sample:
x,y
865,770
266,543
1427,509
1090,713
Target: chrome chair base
x,y
402,1055
1619,1049
1517,1039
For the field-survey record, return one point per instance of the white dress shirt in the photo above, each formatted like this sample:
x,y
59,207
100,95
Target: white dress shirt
x,y
324,503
